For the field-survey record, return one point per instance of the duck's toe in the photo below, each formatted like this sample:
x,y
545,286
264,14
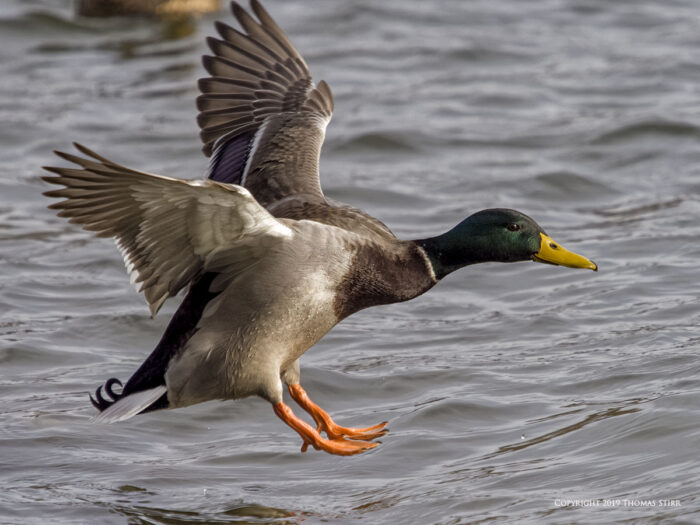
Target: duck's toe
x,y
336,431
339,445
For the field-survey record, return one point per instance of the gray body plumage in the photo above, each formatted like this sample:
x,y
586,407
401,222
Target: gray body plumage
x,y
252,334
265,318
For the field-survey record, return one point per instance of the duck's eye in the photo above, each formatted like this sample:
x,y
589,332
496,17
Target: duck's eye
x,y
513,227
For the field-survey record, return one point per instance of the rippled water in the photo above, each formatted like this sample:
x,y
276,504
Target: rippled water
x,y
510,390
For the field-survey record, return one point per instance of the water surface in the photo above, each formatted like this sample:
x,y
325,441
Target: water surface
x,y
509,389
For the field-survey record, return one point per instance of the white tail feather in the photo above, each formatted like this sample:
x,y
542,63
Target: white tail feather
x,y
128,406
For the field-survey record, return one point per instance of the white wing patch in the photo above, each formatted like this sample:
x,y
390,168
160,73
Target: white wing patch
x,y
253,148
130,268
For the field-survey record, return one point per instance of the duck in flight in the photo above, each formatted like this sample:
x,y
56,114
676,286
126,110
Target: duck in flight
x,y
269,263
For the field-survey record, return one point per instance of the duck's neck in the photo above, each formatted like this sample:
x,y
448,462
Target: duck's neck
x,y
459,247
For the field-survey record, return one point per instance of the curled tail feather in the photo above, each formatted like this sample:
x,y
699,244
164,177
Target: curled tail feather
x,y
99,402
118,406
127,406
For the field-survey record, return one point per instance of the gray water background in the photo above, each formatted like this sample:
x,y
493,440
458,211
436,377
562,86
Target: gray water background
x,y
509,389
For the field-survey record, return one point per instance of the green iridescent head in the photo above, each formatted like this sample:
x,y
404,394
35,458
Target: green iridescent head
x,y
497,235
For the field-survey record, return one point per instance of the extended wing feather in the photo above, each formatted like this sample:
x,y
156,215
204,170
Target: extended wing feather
x,y
169,230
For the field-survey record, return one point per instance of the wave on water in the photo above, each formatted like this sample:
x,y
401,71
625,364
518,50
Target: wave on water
x,y
633,132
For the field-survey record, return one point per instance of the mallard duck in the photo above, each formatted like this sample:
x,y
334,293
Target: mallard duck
x,y
269,263
100,8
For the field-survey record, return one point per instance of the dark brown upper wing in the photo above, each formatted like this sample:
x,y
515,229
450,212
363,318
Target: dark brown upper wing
x,y
263,120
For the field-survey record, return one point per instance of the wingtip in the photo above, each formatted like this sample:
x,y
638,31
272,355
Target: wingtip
x,y
222,28
212,43
50,169
244,18
156,305
237,9
324,88
51,179
258,8
52,195
200,102
82,149
202,84
62,154
208,65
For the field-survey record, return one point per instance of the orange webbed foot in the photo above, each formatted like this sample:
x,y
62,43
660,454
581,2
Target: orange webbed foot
x,y
326,424
339,446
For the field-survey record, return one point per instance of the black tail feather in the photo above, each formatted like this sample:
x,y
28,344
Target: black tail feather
x,y
99,402
152,371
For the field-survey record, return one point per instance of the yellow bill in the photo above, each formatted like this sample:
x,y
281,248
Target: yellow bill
x,y
553,253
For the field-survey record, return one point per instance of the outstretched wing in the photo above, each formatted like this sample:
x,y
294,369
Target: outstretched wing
x,y
170,231
263,120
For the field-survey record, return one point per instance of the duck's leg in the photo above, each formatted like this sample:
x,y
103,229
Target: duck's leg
x,y
339,446
325,422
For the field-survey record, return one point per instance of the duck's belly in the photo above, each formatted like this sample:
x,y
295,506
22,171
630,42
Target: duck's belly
x,y
251,333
